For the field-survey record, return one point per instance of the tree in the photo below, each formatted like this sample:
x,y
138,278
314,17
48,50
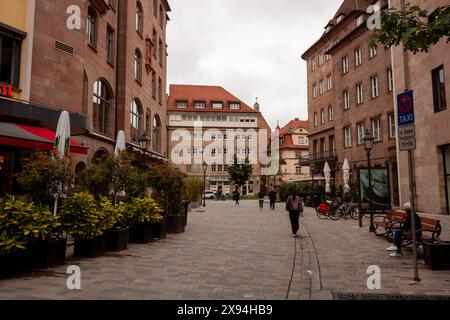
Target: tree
x,y
414,27
240,173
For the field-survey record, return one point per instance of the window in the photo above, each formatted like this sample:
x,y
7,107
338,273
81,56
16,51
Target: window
x,y
340,18
392,126
160,90
225,168
372,51
314,63
10,52
345,66
214,168
359,93
182,104
301,140
390,80
316,120
358,57
361,132
155,43
156,133
376,129
374,85
298,170
348,137
110,44
330,82
359,21
138,65
235,106
346,99
321,87
315,90
220,168
321,59
330,113
92,27
102,107
217,105
139,18
135,119
322,116
439,94
200,104
154,85
161,53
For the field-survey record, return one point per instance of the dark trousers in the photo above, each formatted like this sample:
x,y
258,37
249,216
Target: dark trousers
x,y
295,223
261,204
272,204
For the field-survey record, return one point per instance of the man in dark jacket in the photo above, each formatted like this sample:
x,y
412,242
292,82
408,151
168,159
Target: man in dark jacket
x,y
407,226
272,198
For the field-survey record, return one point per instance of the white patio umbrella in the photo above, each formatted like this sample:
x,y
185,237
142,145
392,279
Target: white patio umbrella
x,y
120,143
62,147
327,172
346,170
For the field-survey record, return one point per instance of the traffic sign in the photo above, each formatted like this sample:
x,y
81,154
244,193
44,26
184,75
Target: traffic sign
x,y
405,106
407,131
407,144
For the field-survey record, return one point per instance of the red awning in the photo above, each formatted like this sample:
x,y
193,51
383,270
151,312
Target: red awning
x,y
32,137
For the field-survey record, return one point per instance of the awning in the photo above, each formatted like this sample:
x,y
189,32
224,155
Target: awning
x,y
32,137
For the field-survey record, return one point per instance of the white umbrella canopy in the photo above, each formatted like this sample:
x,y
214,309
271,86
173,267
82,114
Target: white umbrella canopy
x,y
327,172
62,137
120,143
346,170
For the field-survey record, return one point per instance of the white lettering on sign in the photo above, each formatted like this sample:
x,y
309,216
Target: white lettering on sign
x,y
407,144
407,131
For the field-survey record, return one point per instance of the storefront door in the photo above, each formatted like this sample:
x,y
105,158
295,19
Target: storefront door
x,y
447,176
6,173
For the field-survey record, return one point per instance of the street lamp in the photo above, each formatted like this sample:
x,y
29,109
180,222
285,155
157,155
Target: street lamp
x,y
368,142
205,167
144,143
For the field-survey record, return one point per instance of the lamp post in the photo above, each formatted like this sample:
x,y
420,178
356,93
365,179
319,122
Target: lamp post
x,y
144,143
368,142
205,167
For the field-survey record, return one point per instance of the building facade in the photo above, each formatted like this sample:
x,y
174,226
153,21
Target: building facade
x,y
357,99
207,123
294,145
427,75
99,60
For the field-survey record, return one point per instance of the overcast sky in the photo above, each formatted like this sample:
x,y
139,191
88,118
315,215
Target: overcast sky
x,y
250,47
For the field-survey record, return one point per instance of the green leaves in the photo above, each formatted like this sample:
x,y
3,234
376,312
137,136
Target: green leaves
x,y
141,211
240,173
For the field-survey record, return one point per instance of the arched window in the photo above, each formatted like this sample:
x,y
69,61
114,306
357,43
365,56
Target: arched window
x,y
138,65
102,107
100,156
316,120
156,134
92,27
139,17
322,116
136,119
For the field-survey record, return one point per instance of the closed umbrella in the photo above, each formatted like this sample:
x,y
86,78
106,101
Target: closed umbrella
x,y
346,170
120,143
61,148
327,172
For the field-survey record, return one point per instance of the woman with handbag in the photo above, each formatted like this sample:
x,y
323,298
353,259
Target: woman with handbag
x,y
294,205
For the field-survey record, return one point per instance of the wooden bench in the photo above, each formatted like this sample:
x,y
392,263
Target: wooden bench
x,y
431,230
391,221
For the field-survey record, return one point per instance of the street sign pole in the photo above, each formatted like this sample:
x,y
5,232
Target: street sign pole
x,y
412,184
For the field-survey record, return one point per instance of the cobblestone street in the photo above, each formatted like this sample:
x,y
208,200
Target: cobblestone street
x,y
240,253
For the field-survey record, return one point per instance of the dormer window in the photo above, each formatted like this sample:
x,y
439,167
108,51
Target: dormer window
x,y
217,105
235,106
182,104
200,104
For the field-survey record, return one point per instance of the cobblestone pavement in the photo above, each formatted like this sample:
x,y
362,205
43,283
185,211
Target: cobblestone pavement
x,y
239,253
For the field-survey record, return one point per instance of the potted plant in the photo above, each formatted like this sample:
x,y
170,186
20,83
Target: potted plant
x,y
85,220
117,236
141,213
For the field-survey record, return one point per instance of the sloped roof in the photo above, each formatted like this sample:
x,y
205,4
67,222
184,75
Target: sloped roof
x,y
294,125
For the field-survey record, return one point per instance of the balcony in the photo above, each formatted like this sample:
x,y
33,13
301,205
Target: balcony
x,y
323,156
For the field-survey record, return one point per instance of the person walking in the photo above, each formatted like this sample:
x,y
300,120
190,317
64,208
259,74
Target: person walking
x,y
294,206
261,197
236,197
273,198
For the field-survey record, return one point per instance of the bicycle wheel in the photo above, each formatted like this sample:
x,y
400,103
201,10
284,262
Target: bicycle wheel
x,y
321,215
335,214
354,213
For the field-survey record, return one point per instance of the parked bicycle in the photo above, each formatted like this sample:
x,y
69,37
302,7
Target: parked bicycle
x,y
338,209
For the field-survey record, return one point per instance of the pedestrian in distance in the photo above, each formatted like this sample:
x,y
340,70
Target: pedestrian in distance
x,y
406,227
236,197
273,198
295,207
261,197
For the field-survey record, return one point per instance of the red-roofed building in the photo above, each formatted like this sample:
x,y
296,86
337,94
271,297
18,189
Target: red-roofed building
x,y
294,145
211,115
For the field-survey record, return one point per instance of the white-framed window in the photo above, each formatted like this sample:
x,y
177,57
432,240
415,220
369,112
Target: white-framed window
x,y
322,116
182,104
359,93
322,87
361,132
302,140
390,80
330,113
345,65
314,63
392,126
376,129
235,106
321,59
358,57
315,90
329,82
200,104
316,120
373,51
346,95
374,85
347,137
217,105
214,168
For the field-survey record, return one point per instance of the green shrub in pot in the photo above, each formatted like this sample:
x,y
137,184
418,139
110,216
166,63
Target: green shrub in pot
x,y
140,211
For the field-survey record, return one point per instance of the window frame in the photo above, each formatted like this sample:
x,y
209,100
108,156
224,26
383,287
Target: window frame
x,y
359,93
348,141
375,86
376,132
392,126
439,90
16,39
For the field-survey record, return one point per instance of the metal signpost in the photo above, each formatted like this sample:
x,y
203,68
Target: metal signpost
x,y
407,137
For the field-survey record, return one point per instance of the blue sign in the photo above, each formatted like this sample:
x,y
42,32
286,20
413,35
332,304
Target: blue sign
x,y
405,106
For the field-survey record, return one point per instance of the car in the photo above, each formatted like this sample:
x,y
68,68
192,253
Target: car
x,y
209,194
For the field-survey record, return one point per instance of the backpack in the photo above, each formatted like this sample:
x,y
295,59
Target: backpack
x,y
289,204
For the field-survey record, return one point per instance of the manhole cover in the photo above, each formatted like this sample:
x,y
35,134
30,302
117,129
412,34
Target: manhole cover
x,y
393,297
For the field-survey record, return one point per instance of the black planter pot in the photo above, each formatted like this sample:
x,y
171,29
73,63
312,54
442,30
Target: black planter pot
x,y
90,248
13,264
47,254
175,224
117,240
141,234
184,219
437,255
160,230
